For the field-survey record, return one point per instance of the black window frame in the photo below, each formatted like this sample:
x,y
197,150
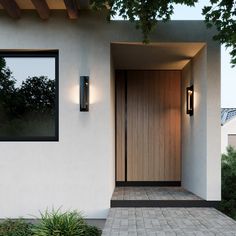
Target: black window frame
x,y
37,54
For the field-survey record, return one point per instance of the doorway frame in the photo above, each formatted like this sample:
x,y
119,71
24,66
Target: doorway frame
x,y
127,183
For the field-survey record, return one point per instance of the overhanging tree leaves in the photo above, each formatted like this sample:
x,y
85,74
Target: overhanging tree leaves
x,y
222,14
146,14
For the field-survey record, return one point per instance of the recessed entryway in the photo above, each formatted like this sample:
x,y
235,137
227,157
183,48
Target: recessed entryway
x,y
147,150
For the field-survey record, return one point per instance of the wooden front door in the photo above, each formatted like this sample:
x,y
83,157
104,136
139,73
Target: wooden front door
x,y
148,125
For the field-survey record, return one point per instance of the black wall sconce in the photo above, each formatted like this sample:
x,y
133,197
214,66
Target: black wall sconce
x,y
84,93
189,99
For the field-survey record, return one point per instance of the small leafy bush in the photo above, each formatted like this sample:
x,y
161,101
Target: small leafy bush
x,y
56,223
91,231
228,203
15,228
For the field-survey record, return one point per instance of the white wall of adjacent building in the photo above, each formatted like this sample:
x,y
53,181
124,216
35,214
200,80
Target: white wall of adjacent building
x,y
78,172
228,129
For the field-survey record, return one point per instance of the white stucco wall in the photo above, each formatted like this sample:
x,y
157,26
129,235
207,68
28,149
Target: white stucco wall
x,y
201,165
213,122
78,171
228,128
194,132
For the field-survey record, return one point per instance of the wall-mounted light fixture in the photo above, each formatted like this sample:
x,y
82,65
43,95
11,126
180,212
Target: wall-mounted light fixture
x,y
84,93
189,100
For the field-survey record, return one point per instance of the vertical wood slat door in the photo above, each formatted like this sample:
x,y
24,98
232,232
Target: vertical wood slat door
x,y
151,122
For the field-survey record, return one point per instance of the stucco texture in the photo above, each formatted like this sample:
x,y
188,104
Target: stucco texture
x,y
78,172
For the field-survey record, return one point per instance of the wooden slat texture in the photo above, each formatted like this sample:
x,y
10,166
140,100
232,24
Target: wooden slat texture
x,y
120,126
42,8
12,8
153,126
72,8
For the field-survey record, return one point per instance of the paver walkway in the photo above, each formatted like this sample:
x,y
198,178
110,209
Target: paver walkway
x,y
168,221
153,193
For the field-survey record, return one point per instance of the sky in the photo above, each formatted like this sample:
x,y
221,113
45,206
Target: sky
x,y
23,68
45,66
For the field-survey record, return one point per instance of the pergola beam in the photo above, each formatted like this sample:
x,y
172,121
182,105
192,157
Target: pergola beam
x,y
11,8
42,8
72,8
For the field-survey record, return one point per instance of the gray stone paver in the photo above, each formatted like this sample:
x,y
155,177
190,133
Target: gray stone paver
x,y
168,221
153,193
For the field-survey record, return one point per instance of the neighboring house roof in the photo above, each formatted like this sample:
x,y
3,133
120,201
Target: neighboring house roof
x,y
227,114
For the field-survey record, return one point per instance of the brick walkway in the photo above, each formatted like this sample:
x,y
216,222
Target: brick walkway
x,y
153,193
168,221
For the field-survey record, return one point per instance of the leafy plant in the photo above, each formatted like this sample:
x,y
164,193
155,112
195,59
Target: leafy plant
x,y
54,223
15,228
144,13
57,223
228,203
29,109
147,13
222,14
89,230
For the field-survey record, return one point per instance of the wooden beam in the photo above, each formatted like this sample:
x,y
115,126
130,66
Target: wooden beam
x,y
12,8
42,8
72,8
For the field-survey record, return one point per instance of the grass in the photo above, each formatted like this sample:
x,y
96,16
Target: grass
x,y
52,223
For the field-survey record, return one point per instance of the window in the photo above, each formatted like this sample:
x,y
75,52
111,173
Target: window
x,y
232,140
29,96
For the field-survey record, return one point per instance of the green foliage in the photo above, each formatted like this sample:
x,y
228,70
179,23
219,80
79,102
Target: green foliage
x,y
38,94
28,110
53,223
144,13
147,13
89,230
7,81
222,14
57,223
15,228
228,203
7,88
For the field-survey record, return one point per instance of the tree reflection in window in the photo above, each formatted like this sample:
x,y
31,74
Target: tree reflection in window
x,y
28,107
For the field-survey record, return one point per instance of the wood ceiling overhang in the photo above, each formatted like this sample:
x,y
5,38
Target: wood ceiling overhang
x,y
14,8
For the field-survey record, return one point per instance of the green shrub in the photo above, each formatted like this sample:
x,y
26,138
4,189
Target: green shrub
x,y
15,228
228,203
56,223
91,231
